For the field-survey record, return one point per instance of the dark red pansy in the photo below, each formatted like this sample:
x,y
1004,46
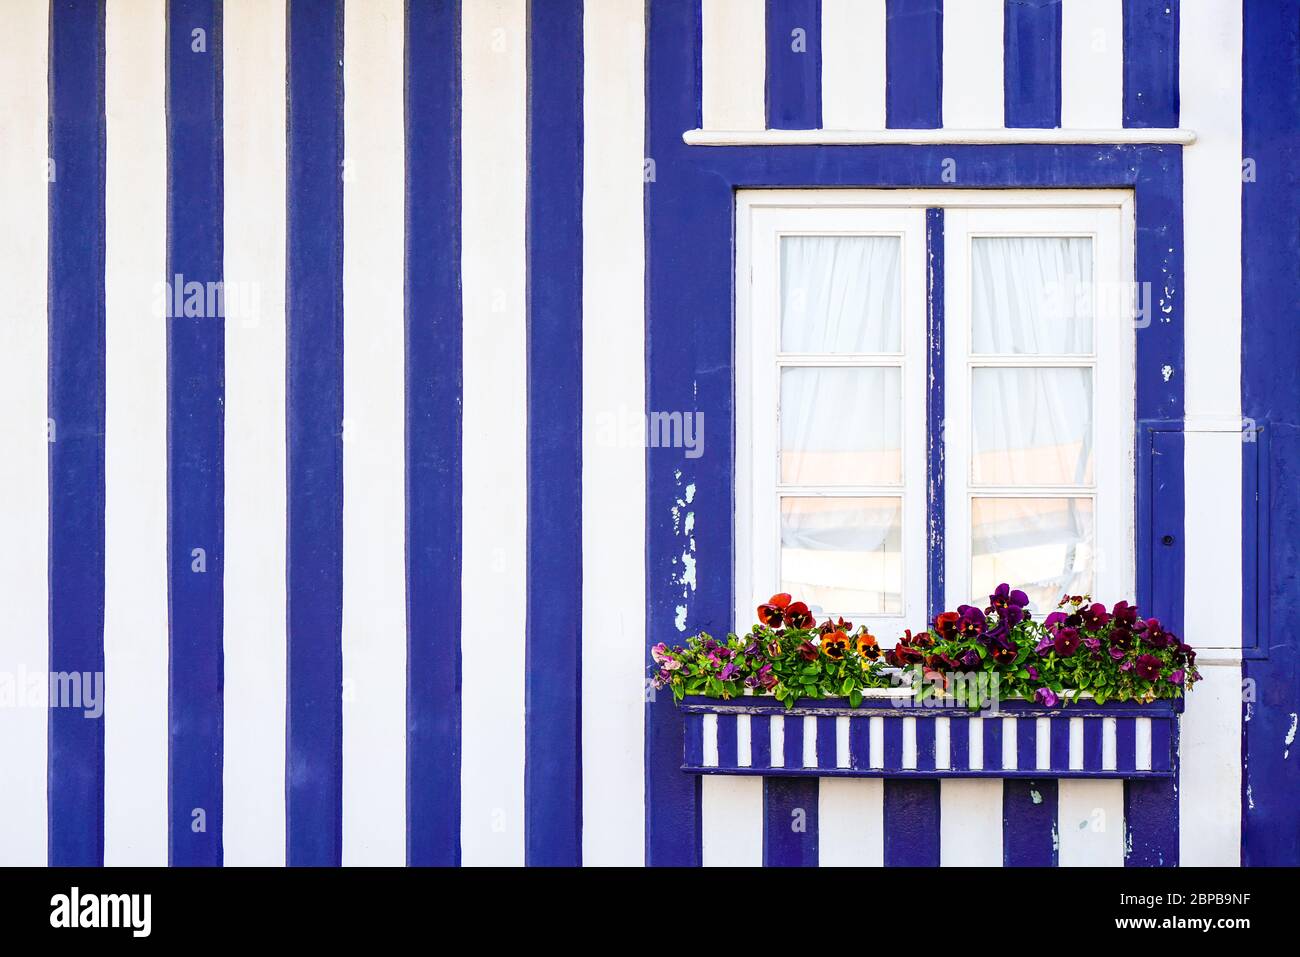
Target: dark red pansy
x,y
946,625
798,616
1147,667
772,613
1066,642
808,651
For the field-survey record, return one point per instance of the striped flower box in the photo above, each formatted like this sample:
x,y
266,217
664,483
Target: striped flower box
x,y
887,737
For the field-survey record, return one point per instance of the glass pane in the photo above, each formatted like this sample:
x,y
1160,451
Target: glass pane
x,y
1031,426
1031,295
843,555
841,294
841,426
1041,545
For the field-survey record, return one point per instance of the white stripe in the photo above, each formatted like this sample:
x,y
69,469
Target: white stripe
x,y
1109,747
374,561
744,746
810,741
1076,744
850,822
777,740
135,435
495,423
976,744
613,472
1142,741
948,136
24,488
710,743
1043,743
255,604
842,741
1210,84
1009,755
909,742
1090,820
876,742
1092,63
970,822
972,64
731,821
853,64
943,743
734,64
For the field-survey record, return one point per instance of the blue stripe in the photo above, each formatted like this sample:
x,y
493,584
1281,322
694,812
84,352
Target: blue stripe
x,y
1059,744
1270,356
195,434
925,744
1026,744
826,749
433,432
1031,44
553,730
894,744
959,744
1092,741
314,316
790,821
911,823
992,744
934,410
860,743
76,409
914,64
1151,63
1151,822
792,748
693,754
1125,744
727,740
760,741
794,64
1029,827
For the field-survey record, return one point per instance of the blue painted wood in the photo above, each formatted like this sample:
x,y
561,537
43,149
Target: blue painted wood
x,y
433,433
1270,356
1092,745
727,740
790,835
911,823
314,396
914,64
894,744
860,743
1059,748
1026,744
1162,733
992,744
925,747
1029,824
794,64
826,742
1125,744
553,729
694,731
959,744
75,765
195,435
1256,537
1151,63
760,741
934,412
1151,822
1031,45
792,751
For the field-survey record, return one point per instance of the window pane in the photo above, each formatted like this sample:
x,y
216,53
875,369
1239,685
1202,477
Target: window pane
x,y
1031,426
1041,545
841,426
1031,295
843,555
840,294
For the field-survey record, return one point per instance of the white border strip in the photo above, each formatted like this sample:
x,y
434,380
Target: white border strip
x,y
1111,137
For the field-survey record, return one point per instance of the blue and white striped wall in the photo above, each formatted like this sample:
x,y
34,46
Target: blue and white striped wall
x,y
370,563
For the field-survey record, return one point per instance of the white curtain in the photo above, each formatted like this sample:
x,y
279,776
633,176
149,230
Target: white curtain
x,y
841,294
1032,426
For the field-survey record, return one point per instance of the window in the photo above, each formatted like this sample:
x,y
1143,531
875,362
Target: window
x,y
836,367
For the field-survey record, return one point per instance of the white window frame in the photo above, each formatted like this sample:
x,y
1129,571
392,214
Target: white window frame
x,y
762,215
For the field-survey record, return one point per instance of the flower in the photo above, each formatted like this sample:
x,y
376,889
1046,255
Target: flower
x,y
1005,597
907,651
1003,655
1121,637
660,653
835,644
1176,678
1094,616
1116,652
838,625
970,658
1066,642
971,622
1124,613
865,645
946,625
1156,636
1047,697
798,616
729,672
808,651
773,612
1147,667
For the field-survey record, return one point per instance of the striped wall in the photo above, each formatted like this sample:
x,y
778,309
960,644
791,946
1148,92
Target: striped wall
x,y
370,556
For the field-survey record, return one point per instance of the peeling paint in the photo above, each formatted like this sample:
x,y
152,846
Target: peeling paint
x,y
690,493
688,564
690,523
1167,372
1290,736
680,620
1035,796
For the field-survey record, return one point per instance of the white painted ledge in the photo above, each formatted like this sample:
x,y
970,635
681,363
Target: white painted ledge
x,y
931,137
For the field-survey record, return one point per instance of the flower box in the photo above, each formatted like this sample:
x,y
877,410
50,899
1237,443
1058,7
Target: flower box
x,y
889,735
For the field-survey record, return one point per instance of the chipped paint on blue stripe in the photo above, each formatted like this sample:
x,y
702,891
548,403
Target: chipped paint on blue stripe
x,y
553,670
1030,836
195,437
1270,357
794,64
1151,63
433,432
314,399
76,397
1031,44
914,64
934,412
